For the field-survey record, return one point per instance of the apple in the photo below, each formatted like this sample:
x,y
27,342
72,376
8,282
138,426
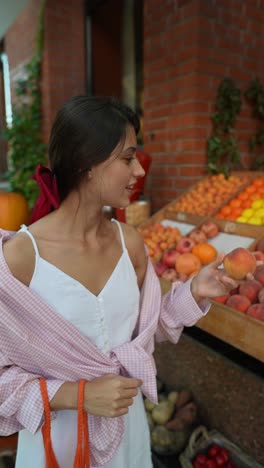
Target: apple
x,y
169,274
169,258
260,245
198,236
160,268
210,229
185,245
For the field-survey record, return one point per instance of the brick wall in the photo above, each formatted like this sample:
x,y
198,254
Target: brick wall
x,y
20,41
189,47
63,71
64,56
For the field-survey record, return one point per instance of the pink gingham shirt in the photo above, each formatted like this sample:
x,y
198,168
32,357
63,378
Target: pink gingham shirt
x,y
36,341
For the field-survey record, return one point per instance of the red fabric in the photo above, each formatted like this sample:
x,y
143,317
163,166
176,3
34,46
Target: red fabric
x,y
48,198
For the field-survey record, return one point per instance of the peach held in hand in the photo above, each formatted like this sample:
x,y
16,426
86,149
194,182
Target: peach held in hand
x,y
239,263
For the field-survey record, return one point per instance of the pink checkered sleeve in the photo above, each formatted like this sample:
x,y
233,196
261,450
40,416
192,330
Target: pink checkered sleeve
x,y
20,400
179,310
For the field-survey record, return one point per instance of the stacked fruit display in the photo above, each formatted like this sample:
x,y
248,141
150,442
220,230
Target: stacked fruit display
x,y
247,206
248,297
208,194
178,257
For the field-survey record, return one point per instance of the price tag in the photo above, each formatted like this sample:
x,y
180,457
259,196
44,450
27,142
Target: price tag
x,y
230,227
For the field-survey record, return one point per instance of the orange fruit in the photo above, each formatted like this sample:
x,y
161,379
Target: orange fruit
x,y
235,203
226,210
250,189
258,182
236,212
243,196
205,252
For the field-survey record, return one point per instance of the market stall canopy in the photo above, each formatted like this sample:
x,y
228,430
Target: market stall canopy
x,y
9,10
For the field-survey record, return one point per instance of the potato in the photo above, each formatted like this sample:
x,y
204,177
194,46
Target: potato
x,y
179,440
148,405
173,397
162,412
184,417
161,436
184,397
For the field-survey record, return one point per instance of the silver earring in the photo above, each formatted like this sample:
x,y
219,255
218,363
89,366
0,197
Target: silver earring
x,y
89,174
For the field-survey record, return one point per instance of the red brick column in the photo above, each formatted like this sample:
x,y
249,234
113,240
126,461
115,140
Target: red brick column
x,y
189,47
63,72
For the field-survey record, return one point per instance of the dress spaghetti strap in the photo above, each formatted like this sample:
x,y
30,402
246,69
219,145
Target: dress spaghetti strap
x,y
25,229
121,234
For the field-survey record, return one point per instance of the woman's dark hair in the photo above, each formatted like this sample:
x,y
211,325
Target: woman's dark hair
x,y
85,132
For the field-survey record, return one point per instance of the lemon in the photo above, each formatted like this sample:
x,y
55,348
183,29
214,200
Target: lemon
x,y
255,220
259,203
241,219
259,213
248,213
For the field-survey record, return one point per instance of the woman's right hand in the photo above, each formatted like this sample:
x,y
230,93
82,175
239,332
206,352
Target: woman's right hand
x,y
110,395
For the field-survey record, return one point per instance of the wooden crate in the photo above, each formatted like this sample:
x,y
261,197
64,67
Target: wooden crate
x,y
235,328
249,176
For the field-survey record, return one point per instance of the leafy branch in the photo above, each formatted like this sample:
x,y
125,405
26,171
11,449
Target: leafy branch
x,y
222,148
26,148
255,95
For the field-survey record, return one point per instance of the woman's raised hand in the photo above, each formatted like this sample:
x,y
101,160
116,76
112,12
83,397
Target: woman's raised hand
x,y
110,395
212,281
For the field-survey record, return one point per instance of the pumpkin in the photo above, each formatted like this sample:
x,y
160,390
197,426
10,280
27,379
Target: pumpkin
x,y
205,252
14,211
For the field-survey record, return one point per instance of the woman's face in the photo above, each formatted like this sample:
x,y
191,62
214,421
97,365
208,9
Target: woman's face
x,y
112,181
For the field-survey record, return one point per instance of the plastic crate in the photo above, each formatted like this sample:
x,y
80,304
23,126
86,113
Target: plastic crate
x,y
201,440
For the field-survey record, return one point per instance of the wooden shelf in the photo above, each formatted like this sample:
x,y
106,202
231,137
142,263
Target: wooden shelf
x,y
235,328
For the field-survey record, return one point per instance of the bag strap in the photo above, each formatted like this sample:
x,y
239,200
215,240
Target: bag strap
x,y
82,455
51,461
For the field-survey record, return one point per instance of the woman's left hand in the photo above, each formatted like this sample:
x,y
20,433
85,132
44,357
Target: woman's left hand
x,y
212,281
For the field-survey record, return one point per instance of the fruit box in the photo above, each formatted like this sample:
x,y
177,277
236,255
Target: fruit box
x,y
201,440
233,327
206,205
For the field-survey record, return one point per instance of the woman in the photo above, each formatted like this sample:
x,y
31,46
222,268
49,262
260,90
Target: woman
x,y
80,300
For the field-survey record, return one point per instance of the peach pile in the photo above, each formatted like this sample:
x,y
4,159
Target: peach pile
x,y
248,297
208,194
239,263
248,206
179,257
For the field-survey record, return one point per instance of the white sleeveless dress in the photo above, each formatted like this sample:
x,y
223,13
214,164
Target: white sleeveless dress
x,y
108,320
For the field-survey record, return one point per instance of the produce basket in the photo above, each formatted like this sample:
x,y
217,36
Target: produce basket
x,y
201,440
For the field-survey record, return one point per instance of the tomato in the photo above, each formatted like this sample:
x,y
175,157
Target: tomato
x,y
220,459
211,464
200,461
225,454
213,450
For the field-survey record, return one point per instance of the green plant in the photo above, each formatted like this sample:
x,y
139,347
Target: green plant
x,y
222,149
255,95
26,148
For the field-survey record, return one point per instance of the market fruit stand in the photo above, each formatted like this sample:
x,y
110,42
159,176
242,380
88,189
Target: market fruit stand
x,y
231,326
226,345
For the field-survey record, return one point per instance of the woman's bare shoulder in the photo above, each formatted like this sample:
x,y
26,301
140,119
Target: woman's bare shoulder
x,y
20,257
136,249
